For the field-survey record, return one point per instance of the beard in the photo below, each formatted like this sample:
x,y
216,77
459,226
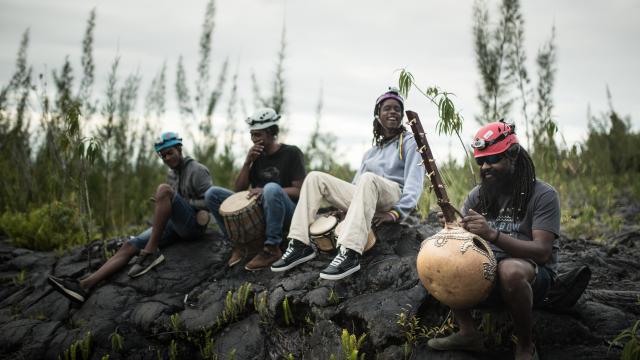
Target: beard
x,y
500,182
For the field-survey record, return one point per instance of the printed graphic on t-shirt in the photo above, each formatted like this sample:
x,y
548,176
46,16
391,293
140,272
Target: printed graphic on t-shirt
x,y
504,222
270,174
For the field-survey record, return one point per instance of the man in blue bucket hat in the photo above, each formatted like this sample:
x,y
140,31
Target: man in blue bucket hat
x,y
180,213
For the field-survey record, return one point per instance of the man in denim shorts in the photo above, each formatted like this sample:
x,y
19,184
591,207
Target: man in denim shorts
x,y
520,217
180,213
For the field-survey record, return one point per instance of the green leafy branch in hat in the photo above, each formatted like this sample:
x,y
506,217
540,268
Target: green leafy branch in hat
x,y
449,119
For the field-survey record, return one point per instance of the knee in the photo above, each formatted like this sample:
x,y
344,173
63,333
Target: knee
x,y
208,195
127,250
212,193
315,176
271,190
367,179
512,278
164,191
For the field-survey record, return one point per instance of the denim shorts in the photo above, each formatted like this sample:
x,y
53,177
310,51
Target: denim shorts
x,y
542,282
181,225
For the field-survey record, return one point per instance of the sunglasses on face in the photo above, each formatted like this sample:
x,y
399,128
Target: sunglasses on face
x,y
491,159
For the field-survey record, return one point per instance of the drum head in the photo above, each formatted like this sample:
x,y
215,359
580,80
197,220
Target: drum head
x,y
236,202
371,238
322,225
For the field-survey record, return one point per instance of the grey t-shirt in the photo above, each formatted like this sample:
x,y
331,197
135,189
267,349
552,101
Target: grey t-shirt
x,y
543,213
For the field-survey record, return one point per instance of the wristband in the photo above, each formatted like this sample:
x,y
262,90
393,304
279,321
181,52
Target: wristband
x,y
395,214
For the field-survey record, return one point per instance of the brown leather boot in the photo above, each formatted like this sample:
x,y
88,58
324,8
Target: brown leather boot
x,y
264,259
237,254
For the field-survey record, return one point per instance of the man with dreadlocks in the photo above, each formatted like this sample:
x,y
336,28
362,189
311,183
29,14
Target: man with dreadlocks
x,y
385,189
520,217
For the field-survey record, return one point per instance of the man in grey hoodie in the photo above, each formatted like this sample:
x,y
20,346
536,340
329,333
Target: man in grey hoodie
x,y
179,207
385,189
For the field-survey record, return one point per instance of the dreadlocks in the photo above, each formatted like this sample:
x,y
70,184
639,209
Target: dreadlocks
x,y
523,175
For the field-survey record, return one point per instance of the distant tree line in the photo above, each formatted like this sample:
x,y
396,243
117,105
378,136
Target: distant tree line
x,y
83,162
93,155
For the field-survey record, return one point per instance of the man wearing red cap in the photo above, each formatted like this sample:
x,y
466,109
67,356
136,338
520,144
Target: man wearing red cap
x,y
520,217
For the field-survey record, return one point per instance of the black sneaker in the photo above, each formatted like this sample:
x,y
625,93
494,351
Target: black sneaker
x,y
69,287
297,253
344,264
145,262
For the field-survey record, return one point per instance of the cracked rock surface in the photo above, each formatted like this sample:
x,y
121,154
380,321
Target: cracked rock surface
x,y
193,306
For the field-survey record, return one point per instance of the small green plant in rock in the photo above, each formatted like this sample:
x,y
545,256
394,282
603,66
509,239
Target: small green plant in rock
x,y
333,298
20,278
631,349
234,304
351,345
38,316
232,354
105,357
260,305
84,345
117,341
286,310
173,350
410,326
207,350
446,327
175,322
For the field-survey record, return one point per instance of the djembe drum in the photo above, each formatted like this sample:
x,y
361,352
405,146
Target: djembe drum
x,y
322,233
243,218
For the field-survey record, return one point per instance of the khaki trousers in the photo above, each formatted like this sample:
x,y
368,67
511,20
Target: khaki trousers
x,y
372,193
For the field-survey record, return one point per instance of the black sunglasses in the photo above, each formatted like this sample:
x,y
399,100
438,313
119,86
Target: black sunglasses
x,y
491,159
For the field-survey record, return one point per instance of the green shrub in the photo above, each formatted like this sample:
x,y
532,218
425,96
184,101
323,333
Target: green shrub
x,y
631,349
52,226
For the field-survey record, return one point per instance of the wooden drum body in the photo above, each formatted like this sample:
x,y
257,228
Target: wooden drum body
x,y
243,218
457,267
322,233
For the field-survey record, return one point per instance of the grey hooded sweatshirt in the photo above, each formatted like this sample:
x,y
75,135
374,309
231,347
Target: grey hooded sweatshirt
x,y
191,179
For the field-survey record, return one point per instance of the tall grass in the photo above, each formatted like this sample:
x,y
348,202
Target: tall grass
x,y
78,162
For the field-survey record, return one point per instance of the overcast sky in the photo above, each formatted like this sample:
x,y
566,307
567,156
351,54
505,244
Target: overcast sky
x,y
349,49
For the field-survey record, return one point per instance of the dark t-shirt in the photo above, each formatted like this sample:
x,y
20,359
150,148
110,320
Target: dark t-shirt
x,y
283,167
543,213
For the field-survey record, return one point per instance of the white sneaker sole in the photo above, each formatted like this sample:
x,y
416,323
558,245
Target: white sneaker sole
x,y
71,295
151,266
340,276
295,263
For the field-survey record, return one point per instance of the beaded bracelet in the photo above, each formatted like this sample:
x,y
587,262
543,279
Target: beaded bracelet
x,y
394,214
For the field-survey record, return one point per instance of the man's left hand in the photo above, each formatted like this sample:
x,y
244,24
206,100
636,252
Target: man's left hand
x,y
477,224
381,217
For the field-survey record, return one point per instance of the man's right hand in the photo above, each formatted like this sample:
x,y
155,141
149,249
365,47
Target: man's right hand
x,y
256,150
